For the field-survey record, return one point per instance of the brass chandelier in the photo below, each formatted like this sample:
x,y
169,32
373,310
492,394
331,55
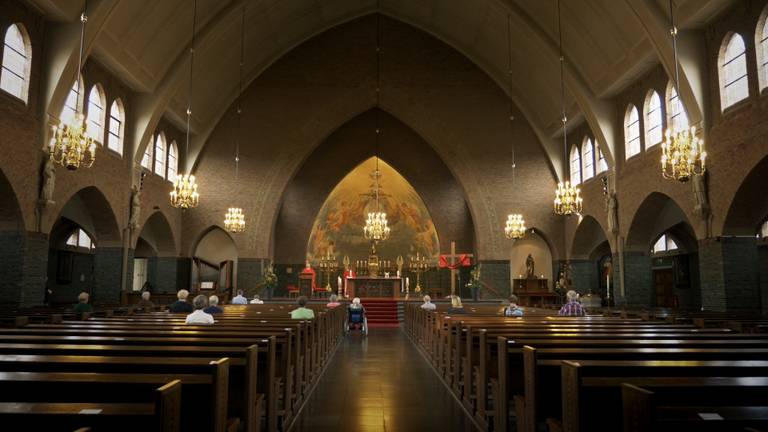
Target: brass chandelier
x,y
376,226
515,227
234,220
70,144
184,194
683,153
567,196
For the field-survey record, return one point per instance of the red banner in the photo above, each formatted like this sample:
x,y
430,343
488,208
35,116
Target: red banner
x,y
462,261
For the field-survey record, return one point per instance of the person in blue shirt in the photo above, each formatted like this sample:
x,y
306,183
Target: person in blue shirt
x,y
240,298
213,306
512,309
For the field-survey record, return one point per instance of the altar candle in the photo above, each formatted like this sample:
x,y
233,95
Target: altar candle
x,y
407,283
608,286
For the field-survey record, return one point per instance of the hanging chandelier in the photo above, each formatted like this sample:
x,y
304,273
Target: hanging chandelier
x,y
515,227
70,144
184,194
376,226
234,220
567,196
683,153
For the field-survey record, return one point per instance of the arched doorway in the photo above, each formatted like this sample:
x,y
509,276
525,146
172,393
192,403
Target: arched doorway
x,y
155,259
591,260
14,250
214,263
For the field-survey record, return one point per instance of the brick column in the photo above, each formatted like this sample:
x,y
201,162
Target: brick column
x,y
495,273
250,274
583,276
166,274
728,268
24,262
638,289
107,273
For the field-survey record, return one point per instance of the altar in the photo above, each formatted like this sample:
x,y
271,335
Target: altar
x,y
374,287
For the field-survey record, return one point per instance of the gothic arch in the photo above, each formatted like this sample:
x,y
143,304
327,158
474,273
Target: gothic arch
x,y
655,215
157,232
11,218
748,208
90,209
588,237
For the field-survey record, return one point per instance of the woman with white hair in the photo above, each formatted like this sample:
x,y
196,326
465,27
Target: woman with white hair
x,y
572,307
181,305
199,316
356,316
145,303
82,305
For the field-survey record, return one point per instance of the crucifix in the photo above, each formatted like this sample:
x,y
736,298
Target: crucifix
x,y
452,264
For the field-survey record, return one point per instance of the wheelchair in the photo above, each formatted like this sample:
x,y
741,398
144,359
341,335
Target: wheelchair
x,y
356,319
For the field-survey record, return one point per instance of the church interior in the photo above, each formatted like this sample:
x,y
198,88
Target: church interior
x,y
384,215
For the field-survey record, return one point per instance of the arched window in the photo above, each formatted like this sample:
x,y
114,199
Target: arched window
x,y
602,165
677,118
761,45
161,150
74,102
17,61
575,165
96,107
116,126
732,64
652,119
587,159
631,132
146,160
665,243
80,239
173,161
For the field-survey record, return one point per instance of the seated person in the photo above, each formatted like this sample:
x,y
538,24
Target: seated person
x,y
512,309
573,307
257,300
199,316
428,305
145,303
356,313
213,305
333,301
302,312
181,304
456,306
239,298
82,303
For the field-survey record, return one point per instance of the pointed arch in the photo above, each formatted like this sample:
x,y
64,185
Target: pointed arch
x,y
157,232
160,155
748,208
575,165
732,70
631,132
11,218
677,117
657,214
73,104
90,209
588,236
116,126
96,114
173,162
652,117
17,62
587,158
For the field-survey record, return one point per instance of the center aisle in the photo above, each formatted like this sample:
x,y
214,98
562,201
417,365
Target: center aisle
x,y
380,383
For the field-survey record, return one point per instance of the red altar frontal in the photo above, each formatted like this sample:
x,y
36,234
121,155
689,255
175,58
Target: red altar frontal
x,y
374,287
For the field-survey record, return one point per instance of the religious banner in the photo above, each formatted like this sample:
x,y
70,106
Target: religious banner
x,y
462,260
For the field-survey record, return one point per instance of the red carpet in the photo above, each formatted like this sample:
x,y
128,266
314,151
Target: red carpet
x,y
381,312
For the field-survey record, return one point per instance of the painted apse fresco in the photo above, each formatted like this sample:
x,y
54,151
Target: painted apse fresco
x,y
342,217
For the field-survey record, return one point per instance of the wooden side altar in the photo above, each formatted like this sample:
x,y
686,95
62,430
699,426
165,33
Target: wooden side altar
x,y
374,287
533,292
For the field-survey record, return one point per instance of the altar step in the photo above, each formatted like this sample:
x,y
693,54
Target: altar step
x,y
382,313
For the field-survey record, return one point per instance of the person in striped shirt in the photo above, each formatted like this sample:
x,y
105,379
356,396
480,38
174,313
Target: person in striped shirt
x,y
573,307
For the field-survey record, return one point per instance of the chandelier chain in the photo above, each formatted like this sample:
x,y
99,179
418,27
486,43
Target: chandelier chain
x,y
191,73
83,22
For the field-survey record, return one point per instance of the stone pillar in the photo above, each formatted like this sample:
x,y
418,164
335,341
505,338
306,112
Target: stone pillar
x,y
637,279
495,273
250,274
24,262
107,272
583,276
728,268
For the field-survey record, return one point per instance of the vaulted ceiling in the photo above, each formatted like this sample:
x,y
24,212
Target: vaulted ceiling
x,y
607,44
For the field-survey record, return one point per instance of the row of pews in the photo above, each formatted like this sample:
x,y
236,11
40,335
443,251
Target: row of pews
x,y
544,372
249,371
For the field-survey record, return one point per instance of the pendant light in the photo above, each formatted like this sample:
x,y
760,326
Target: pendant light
x,y
234,220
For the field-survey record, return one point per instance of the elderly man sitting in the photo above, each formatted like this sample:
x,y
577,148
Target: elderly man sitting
x,y
573,307
199,316
428,305
181,304
145,303
213,305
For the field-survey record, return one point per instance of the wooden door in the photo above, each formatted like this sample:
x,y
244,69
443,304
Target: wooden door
x,y
664,286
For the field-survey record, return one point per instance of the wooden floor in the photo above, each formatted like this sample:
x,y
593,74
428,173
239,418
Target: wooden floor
x,y
380,383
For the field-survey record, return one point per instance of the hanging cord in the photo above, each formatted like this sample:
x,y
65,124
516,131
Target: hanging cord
x,y
564,119
511,112
83,21
378,100
191,69
673,32
240,95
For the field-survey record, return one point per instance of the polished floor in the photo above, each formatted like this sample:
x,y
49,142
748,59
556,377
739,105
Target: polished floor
x,y
380,383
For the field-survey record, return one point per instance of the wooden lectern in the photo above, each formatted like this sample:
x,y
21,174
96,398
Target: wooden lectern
x,y
305,284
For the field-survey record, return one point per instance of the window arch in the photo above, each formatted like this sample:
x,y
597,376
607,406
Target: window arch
x,y
74,102
665,243
173,161
575,165
96,111
761,47
149,152
116,126
161,153
732,68
17,62
587,159
80,239
631,132
602,165
677,118
652,112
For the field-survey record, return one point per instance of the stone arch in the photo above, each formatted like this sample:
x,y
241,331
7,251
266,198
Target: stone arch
x,y
538,245
90,209
656,214
11,217
157,232
588,237
748,208
212,247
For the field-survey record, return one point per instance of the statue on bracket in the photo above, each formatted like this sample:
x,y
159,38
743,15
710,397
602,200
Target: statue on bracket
x,y
530,267
611,207
49,183
699,184
133,222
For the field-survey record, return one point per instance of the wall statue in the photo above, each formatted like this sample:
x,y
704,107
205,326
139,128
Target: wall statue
x,y
133,222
